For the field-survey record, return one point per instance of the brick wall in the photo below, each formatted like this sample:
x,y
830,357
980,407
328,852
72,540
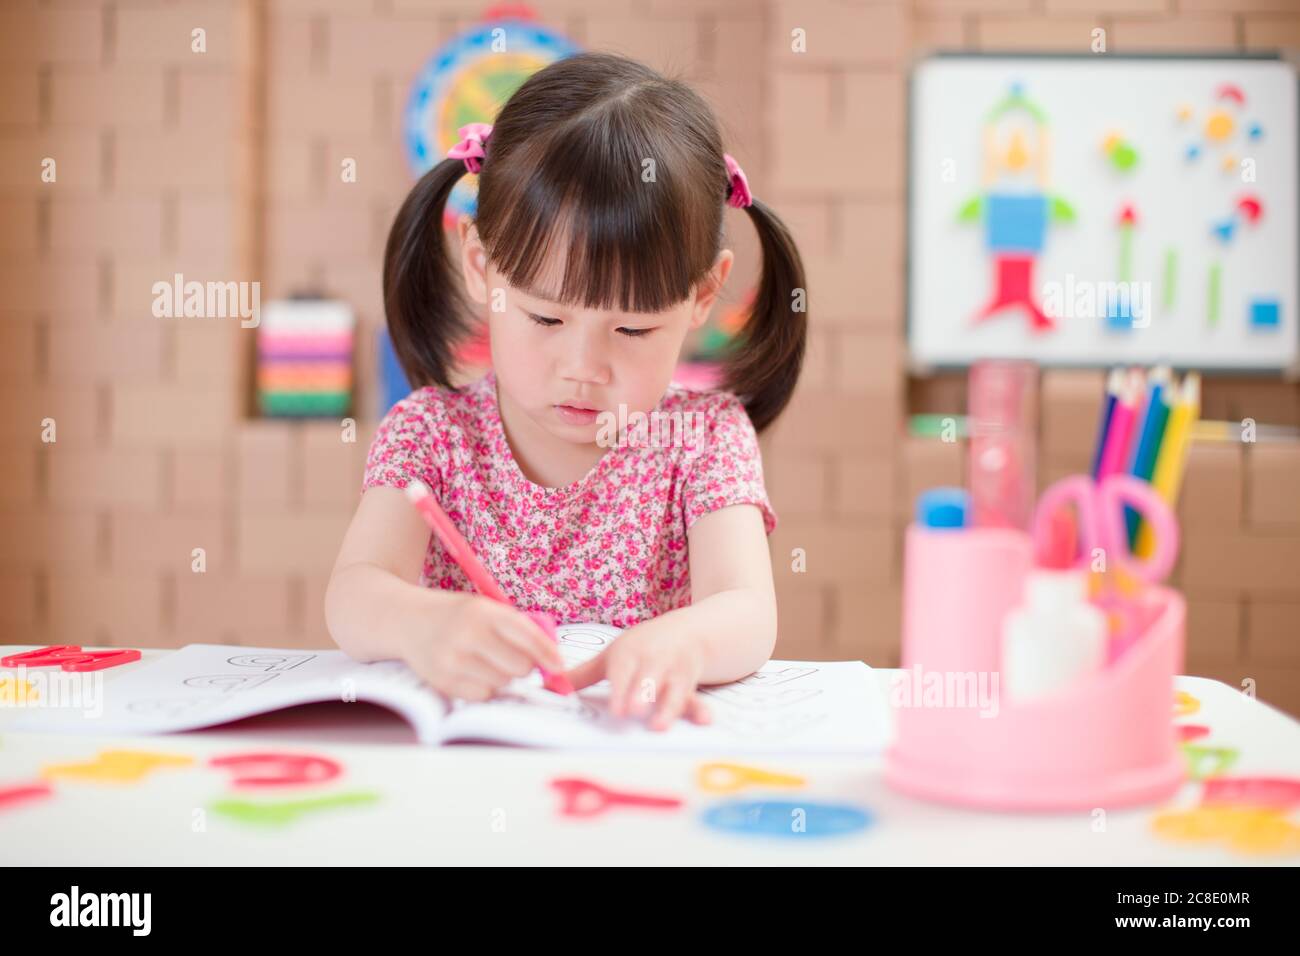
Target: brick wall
x,y
225,164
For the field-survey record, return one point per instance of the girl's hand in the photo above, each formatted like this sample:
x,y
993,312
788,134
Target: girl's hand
x,y
474,647
651,670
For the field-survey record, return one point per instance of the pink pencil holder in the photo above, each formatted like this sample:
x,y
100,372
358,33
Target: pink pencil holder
x,y
1107,740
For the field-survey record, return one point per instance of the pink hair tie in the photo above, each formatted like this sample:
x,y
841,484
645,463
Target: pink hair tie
x,y
473,138
738,195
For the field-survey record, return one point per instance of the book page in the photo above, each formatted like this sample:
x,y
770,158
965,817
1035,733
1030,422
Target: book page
x,y
787,706
202,685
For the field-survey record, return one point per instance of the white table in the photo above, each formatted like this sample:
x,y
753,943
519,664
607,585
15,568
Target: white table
x,y
494,805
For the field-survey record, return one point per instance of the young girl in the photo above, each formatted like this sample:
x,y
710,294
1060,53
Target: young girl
x,y
594,250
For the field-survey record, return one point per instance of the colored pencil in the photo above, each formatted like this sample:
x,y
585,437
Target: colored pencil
x,y
1120,434
1114,382
1150,436
1168,475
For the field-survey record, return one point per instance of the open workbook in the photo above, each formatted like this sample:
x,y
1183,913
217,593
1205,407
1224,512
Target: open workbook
x,y
786,707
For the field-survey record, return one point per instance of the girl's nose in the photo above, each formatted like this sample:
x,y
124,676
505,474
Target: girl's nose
x,y
585,362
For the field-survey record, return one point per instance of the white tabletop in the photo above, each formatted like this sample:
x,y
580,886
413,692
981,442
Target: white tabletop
x,y
495,805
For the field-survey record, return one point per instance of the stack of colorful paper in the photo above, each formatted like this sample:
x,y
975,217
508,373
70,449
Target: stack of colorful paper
x,y
304,358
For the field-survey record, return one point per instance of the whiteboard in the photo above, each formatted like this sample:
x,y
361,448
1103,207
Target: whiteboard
x,y
1202,150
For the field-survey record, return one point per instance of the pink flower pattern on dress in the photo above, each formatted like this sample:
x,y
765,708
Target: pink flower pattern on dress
x,y
612,546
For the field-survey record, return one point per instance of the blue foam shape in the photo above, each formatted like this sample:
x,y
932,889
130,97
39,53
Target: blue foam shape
x,y
1015,223
1119,313
1225,229
776,818
1255,131
1265,314
1193,151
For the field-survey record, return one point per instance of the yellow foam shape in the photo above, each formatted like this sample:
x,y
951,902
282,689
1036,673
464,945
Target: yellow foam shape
x,y
1253,830
14,692
1185,704
1017,155
1219,126
117,766
1184,113
729,777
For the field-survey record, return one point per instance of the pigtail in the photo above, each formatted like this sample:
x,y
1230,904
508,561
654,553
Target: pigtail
x,y
763,366
424,298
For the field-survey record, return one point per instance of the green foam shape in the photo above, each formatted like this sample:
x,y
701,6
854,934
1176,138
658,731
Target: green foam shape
x,y
1062,211
286,812
1124,157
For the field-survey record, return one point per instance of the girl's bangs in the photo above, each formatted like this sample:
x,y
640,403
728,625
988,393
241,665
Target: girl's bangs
x,y
581,239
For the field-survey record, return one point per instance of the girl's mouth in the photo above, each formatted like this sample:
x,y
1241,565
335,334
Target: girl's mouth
x,y
576,416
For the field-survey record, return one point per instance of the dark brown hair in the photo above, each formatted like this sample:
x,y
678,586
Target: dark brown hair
x,y
564,164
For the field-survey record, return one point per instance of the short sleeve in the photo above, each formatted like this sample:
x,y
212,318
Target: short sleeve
x,y
729,469
405,444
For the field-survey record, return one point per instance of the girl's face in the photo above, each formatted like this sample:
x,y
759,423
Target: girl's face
x,y
563,366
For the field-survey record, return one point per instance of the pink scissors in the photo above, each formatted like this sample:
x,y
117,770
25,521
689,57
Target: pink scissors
x,y
1102,524
1100,507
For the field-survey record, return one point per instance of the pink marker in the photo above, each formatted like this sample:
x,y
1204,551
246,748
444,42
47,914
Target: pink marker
x,y
456,546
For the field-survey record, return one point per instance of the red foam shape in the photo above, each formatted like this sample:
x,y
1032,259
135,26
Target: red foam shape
x,y
70,657
1278,792
285,769
12,796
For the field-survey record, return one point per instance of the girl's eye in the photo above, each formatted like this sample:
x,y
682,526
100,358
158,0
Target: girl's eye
x,y
543,320
635,333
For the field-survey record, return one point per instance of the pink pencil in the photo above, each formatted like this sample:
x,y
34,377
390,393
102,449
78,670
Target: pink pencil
x,y
456,546
1115,456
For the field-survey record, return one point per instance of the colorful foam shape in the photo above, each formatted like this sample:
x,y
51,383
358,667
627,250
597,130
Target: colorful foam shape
x,y
23,793
70,657
1255,131
1219,126
787,819
1247,830
1119,313
1015,223
721,777
271,769
1280,793
1230,91
1185,704
1193,152
286,812
1265,314
116,766
1206,762
15,692
1224,229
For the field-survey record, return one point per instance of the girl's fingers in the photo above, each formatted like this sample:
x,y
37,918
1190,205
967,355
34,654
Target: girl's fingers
x,y
697,711
644,692
620,671
589,672
467,689
481,670
671,704
505,657
524,633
